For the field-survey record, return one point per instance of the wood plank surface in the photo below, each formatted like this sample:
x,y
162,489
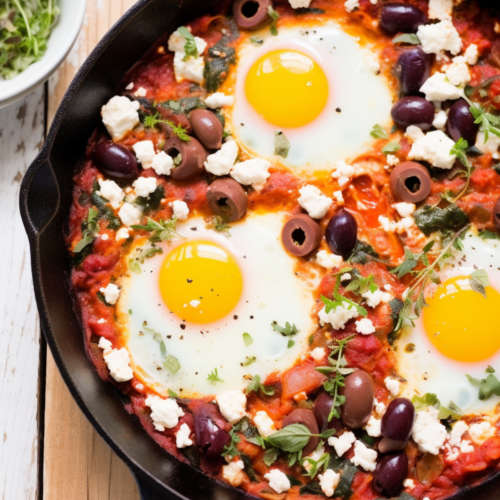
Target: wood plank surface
x,y
78,465
21,136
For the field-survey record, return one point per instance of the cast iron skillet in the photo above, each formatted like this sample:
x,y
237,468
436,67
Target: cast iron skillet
x,y
45,200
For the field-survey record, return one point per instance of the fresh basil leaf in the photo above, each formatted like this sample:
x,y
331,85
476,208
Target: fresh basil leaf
x,y
172,394
218,63
270,456
489,235
478,281
409,38
422,402
291,438
152,202
343,490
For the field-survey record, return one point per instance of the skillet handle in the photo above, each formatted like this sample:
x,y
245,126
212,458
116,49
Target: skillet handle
x,y
39,196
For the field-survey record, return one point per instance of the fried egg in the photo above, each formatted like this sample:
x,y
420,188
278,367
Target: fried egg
x,y
196,300
459,333
319,86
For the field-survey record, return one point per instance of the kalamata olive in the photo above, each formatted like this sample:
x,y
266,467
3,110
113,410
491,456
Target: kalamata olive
x,y
251,14
207,128
397,422
305,417
496,214
301,235
461,122
411,182
401,17
359,392
227,199
413,67
390,474
342,233
192,157
116,160
413,110
210,438
322,409
387,445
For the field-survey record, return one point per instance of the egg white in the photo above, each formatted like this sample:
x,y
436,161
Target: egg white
x,y
363,97
271,292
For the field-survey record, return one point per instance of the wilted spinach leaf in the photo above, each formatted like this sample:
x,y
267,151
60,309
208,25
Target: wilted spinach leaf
x,y
311,488
430,219
152,202
396,305
249,470
183,106
105,212
308,10
220,57
362,253
343,490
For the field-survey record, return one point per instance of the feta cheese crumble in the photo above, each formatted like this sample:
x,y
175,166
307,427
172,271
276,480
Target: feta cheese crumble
x,y
314,202
122,234
440,9
129,214
364,457
428,432
278,481
233,473
145,152
264,424
165,412
182,436
162,163
434,147
112,192
404,209
458,71
342,443
471,54
350,5
490,147
328,481
192,68
219,100
373,299
111,293
343,172
232,405
117,361
365,326
337,317
328,260
393,386
144,186
374,427
180,209
438,88
120,116
221,162
252,172
318,354
439,38
440,119
480,432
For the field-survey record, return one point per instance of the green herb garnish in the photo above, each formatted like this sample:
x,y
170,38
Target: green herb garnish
x,y
91,227
274,16
287,330
379,133
247,339
134,266
479,281
293,438
281,144
249,360
213,377
190,47
391,147
160,230
255,385
422,402
151,121
409,38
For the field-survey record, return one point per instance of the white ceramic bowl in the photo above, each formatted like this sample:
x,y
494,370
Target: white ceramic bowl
x,y
61,40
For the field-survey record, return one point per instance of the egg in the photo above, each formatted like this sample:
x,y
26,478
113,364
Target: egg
x,y
458,333
195,301
319,86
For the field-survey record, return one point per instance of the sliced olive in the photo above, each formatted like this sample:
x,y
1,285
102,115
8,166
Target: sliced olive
x,y
301,235
227,199
401,17
496,214
411,182
207,128
390,474
413,67
305,417
342,233
359,392
116,160
413,110
251,14
397,422
189,158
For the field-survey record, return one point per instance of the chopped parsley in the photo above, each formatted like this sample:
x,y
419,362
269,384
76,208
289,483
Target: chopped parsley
x,y
90,228
255,385
379,133
247,339
287,330
213,377
487,386
281,144
391,147
160,230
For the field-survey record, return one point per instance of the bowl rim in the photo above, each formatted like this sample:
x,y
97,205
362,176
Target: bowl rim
x,y
27,84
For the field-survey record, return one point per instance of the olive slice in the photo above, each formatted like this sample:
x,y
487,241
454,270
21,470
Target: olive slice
x,y
411,182
251,14
301,235
207,128
227,199
192,157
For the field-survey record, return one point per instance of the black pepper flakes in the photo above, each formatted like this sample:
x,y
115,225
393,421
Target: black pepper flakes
x,y
183,327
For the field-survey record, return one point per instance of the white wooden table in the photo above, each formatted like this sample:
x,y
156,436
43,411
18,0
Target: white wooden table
x,y
48,450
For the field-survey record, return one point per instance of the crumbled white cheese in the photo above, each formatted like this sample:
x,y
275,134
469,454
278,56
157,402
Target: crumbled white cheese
x,y
122,234
343,172
455,436
342,443
112,192
264,424
232,405
458,71
233,473
315,456
440,119
177,43
404,209
278,481
350,5
130,86
145,152
438,88
393,385
466,447
395,227
373,298
182,436
379,407
328,260
120,116
434,147
392,160
129,214
192,68
414,133
101,321
337,317
195,303
438,38
221,162
252,172
162,163
328,481
409,483
165,412
117,361
299,4
471,54
428,432
364,457
365,326
490,147
111,293
440,9
144,186
480,432
318,354
374,427
141,92
104,237
314,202
338,197
219,100
180,209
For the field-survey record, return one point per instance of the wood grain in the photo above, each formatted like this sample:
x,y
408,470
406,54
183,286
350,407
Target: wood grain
x,y
78,465
21,135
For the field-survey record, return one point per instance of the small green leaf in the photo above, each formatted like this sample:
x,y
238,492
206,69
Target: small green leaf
x,y
290,344
171,363
422,402
489,235
274,16
391,147
281,144
287,330
479,281
213,377
270,456
247,339
291,438
493,383
249,360
379,133
474,381
85,241
134,266
409,38
172,394
190,47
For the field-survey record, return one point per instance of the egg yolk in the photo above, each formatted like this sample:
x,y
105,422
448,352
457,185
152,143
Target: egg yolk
x,y
200,281
287,88
462,323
